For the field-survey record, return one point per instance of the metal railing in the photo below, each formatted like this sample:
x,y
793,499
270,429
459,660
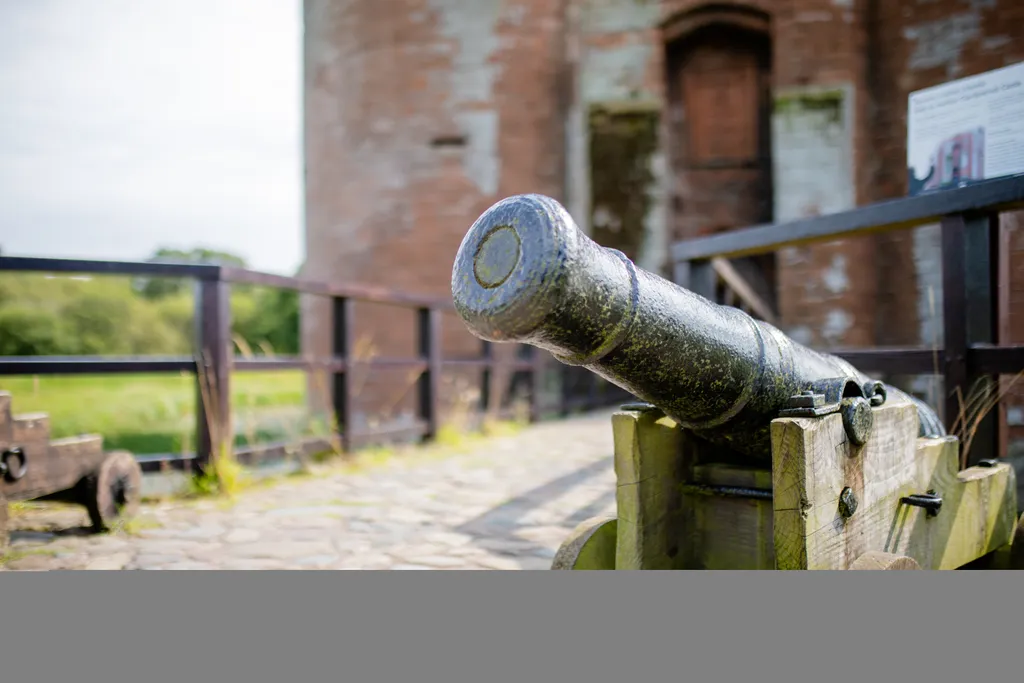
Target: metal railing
x,y
214,359
971,256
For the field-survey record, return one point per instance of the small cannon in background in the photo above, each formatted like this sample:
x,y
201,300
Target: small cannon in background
x,y
75,469
750,450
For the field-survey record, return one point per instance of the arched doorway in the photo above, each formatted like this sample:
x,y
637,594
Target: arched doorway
x,y
719,129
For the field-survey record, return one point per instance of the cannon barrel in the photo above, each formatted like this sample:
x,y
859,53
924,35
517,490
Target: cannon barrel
x,y
526,273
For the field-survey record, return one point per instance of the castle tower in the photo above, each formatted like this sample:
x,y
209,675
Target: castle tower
x,y
653,121
419,114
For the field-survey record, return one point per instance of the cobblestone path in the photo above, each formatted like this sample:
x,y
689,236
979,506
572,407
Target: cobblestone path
x,y
507,504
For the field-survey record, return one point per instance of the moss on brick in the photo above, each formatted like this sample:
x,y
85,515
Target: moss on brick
x,y
828,101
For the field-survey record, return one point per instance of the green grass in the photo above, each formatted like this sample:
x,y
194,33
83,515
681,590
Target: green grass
x,y
156,413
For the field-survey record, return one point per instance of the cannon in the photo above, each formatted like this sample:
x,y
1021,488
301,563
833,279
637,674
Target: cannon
x,y
745,450
76,469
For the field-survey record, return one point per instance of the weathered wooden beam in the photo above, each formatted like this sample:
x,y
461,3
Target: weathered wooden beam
x,y
213,351
650,465
732,517
816,469
675,512
738,285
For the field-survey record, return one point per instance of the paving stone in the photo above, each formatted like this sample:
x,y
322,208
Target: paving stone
x,y
307,535
109,562
505,546
284,550
302,522
412,550
242,536
545,553
466,551
106,544
30,563
153,559
408,516
548,536
68,543
316,560
159,533
447,539
65,563
531,563
168,546
188,565
204,531
206,552
348,545
478,510
369,561
438,561
304,511
250,563
496,562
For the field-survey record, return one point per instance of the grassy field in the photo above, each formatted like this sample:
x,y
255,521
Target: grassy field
x,y
156,413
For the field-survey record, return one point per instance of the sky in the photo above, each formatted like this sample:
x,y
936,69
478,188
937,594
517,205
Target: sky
x,y
129,125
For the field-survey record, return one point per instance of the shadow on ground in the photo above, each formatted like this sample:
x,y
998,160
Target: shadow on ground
x,y
499,529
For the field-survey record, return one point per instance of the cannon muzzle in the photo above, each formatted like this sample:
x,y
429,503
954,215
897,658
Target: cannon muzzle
x,y
526,273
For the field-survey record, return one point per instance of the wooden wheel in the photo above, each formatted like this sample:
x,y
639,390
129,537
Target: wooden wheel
x,y
114,490
876,559
591,545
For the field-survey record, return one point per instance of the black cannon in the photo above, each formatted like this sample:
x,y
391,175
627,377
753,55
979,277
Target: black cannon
x,y
526,273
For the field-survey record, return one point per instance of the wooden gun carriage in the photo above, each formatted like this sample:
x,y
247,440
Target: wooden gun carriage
x,y
898,501
73,469
749,451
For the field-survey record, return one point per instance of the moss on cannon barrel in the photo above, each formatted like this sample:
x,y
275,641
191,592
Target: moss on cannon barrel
x,y
526,273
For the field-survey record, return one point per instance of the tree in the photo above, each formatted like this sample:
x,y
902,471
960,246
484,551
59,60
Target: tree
x,y
115,315
156,288
26,331
267,315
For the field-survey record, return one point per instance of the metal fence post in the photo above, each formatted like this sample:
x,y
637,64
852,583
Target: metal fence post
x,y
214,432
429,324
981,255
565,390
954,333
486,376
535,382
341,384
970,316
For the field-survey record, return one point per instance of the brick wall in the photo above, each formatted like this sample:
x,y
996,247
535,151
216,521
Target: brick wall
x,y
419,114
390,85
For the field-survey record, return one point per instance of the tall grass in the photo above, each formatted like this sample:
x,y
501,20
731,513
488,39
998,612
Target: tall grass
x,y
222,473
983,396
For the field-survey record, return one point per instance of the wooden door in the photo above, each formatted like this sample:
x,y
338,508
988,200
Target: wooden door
x,y
719,88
